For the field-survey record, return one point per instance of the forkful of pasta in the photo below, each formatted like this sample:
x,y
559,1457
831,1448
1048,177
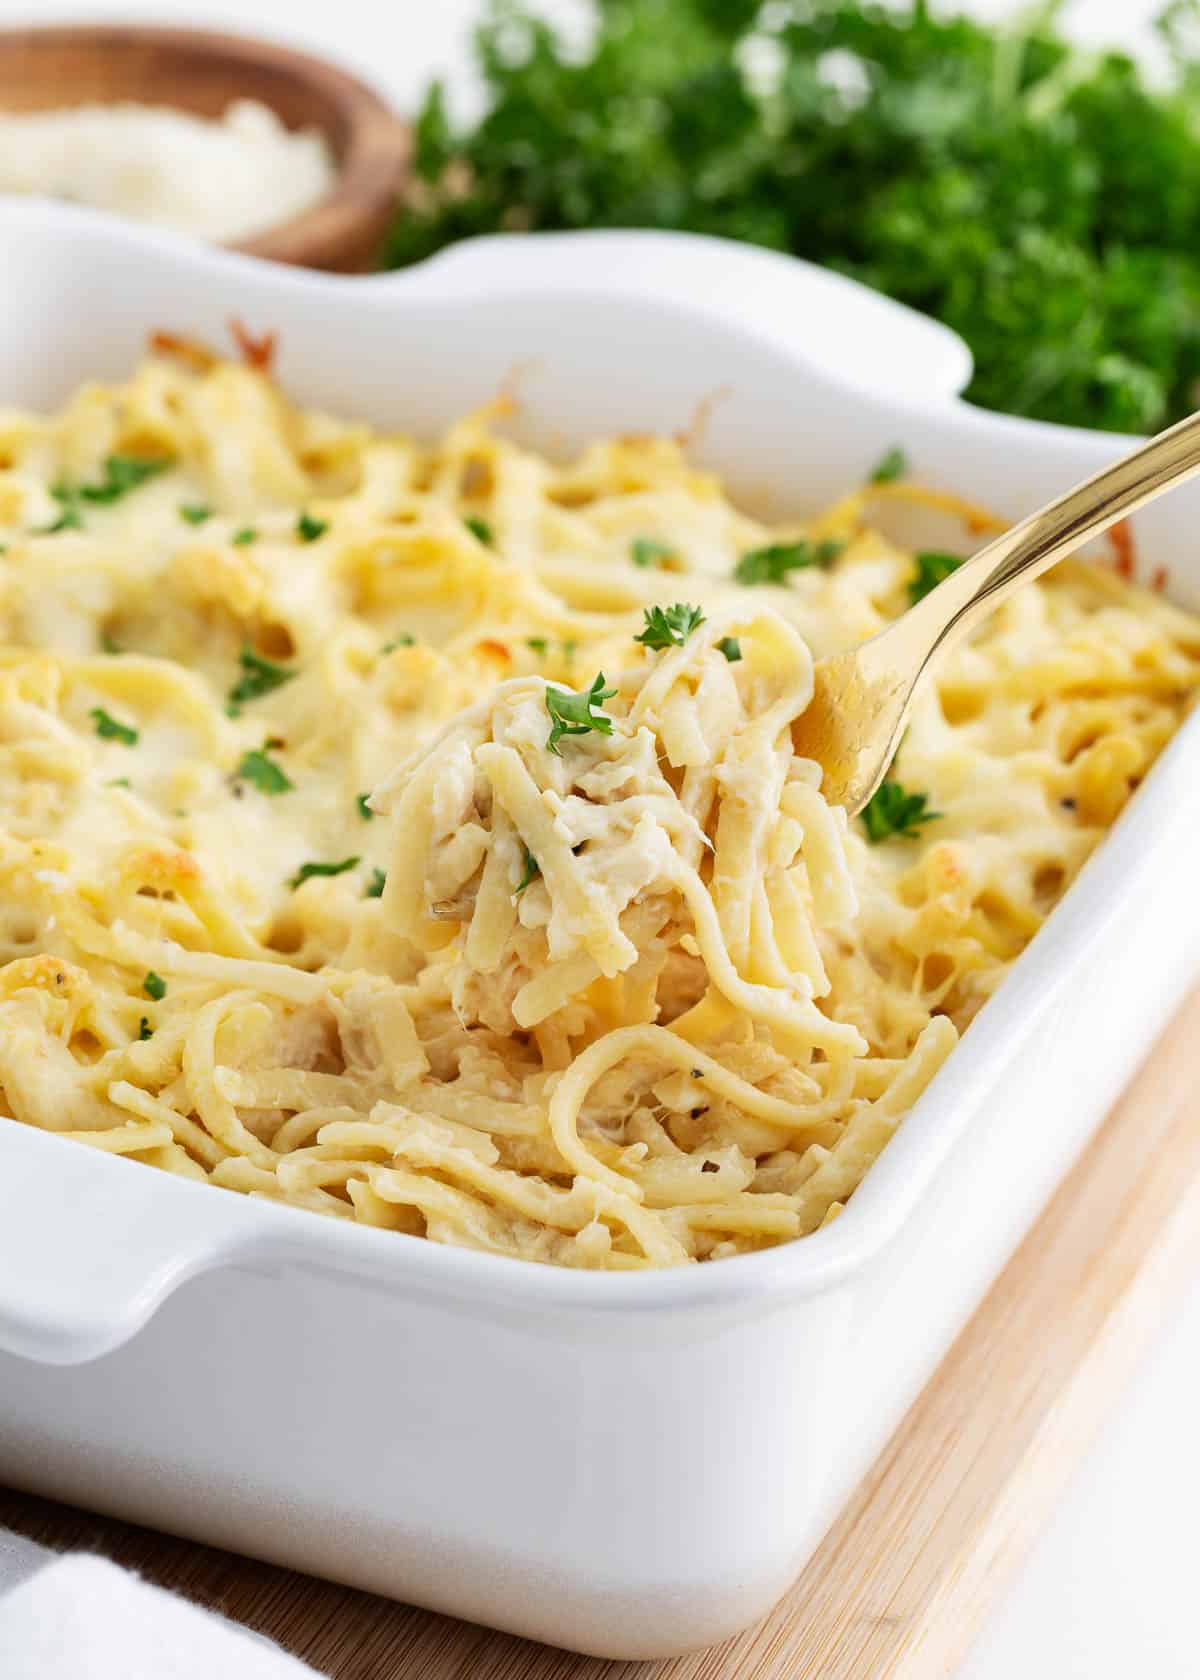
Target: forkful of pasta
x,y
862,698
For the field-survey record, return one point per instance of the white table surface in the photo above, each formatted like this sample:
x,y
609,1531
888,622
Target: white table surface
x,y
1105,1591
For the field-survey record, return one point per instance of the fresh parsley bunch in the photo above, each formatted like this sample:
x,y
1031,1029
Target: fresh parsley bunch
x,y
1044,202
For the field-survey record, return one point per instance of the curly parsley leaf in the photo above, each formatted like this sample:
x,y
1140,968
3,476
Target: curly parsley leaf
x,y
108,728
731,648
307,871
154,986
572,713
122,473
933,567
531,872
773,563
1039,198
480,528
259,676
145,1030
309,527
890,467
194,513
402,640
892,810
242,538
262,770
364,810
669,626
378,882
647,553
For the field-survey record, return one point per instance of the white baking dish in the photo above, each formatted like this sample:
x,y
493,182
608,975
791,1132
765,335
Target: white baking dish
x,y
626,1464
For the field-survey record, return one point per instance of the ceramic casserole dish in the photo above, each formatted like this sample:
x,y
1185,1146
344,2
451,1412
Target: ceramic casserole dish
x,y
629,1465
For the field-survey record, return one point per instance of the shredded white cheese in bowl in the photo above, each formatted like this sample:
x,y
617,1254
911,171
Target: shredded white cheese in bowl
x,y
219,180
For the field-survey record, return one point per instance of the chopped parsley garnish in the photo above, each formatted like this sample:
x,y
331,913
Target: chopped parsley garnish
x,y
646,552
572,714
402,640
262,770
70,519
109,729
893,465
378,882
260,676
933,567
731,648
532,870
570,648
307,871
539,645
195,513
479,528
364,810
119,781
309,527
246,535
891,810
145,1030
122,473
154,986
773,563
669,626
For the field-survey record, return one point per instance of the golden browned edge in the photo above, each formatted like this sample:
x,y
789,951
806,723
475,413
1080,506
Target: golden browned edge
x,y
201,71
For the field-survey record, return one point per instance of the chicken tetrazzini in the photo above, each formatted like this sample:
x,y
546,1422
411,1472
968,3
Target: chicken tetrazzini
x,y
414,835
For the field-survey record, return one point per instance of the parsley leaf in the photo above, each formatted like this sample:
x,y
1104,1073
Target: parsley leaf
x,y
645,552
309,527
572,714
260,676
731,648
402,640
538,644
892,466
71,517
154,986
259,768
195,513
532,870
1041,199
479,528
890,810
364,810
122,473
773,563
307,871
933,567
378,882
109,729
246,535
669,626
145,1030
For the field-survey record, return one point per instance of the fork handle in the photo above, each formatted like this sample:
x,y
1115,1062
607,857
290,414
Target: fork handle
x,y
1034,544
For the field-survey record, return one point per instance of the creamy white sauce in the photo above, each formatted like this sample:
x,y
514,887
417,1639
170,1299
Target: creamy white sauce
x,y
219,180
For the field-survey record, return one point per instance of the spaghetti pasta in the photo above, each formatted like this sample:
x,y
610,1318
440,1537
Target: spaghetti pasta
x,y
333,870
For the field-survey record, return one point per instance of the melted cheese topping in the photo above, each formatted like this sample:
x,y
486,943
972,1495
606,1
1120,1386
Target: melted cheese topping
x,y
643,1000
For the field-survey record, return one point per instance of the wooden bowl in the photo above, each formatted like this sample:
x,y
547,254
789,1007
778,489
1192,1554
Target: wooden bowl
x,y
201,72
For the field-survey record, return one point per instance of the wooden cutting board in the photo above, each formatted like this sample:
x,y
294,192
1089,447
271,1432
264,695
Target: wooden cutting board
x,y
903,1580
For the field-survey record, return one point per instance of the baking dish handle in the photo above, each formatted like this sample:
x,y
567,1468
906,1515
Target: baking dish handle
x,y
91,1245
825,318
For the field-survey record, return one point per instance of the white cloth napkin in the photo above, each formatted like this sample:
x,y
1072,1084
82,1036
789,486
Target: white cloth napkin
x,y
81,1618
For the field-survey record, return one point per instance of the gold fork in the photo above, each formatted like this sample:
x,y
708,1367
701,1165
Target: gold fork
x,y
862,698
